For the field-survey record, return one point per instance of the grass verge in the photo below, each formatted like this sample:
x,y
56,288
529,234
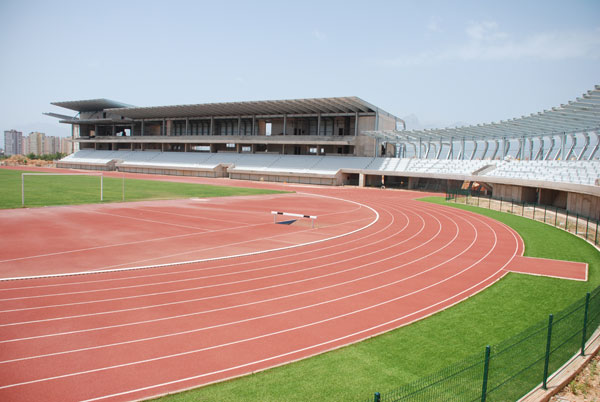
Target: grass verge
x,y
398,357
70,190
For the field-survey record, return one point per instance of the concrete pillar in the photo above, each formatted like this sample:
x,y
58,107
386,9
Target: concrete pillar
x,y
142,128
212,126
187,126
163,128
318,124
284,124
356,124
361,180
239,130
252,133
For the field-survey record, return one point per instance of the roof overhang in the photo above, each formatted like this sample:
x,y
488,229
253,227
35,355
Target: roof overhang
x,y
341,105
91,105
581,115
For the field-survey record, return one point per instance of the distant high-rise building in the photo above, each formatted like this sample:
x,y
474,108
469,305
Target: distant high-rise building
x,y
35,143
51,145
13,142
66,146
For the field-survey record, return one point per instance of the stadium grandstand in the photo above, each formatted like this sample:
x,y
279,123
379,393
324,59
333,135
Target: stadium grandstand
x,y
549,158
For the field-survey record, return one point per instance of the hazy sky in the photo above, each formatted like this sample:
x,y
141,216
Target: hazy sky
x,y
444,62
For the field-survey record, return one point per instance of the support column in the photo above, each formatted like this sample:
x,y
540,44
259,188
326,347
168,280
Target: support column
x,y
318,124
474,149
356,124
96,130
187,126
530,148
252,133
485,148
162,129
462,149
586,138
114,129
212,126
239,131
142,128
563,146
419,147
284,124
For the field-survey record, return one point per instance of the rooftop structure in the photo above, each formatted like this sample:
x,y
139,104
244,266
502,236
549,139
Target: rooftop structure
x,y
564,132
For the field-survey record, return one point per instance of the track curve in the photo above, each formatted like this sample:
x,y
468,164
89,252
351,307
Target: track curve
x,y
135,334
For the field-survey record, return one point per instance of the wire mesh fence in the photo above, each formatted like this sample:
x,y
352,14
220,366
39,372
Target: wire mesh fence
x,y
581,226
509,370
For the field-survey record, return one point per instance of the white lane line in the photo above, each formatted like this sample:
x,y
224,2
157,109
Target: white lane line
x,y
192,289
272,238
179,272
222,246
282,297
261,301
214,258
272,333
206,231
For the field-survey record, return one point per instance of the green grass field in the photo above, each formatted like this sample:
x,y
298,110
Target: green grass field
x,y
385,362
70,190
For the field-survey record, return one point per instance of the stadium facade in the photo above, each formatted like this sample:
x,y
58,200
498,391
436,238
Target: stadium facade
x,y
320,126
548,158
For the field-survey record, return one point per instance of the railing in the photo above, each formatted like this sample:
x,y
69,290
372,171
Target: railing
x,y
581,226
509,370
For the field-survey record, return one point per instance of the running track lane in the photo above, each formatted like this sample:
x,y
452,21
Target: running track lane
x,y
135,334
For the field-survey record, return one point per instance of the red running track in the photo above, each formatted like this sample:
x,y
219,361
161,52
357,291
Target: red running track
x,y
134,334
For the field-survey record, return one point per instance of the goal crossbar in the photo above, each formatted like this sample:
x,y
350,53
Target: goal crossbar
x,y
60,174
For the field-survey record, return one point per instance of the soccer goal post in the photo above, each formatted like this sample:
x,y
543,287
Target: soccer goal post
x,y
23,175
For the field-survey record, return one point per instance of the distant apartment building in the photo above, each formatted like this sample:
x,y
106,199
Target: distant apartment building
x,y
35,143
13,142
51,145
66,146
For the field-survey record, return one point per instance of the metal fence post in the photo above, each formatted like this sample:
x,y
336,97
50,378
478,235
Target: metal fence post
x,y
500,204
585,318
478,199
545,209
512,206
567,220
548,342
555,215
533,211
523,209
596,233
587,226
377,397
486,369
576,223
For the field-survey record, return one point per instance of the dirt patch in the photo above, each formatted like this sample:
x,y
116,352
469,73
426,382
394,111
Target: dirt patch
x,y
21,160
585,387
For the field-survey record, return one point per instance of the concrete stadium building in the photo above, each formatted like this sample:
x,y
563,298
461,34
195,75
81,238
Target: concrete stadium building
x,y
322,126
548,158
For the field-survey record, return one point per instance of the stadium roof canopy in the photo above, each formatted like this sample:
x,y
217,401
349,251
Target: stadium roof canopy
x,y
341,105
581,115
91,105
